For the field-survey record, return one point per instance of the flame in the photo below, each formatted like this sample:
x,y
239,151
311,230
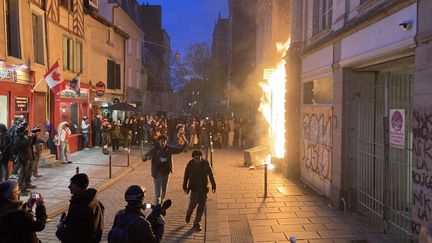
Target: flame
x,y
272,104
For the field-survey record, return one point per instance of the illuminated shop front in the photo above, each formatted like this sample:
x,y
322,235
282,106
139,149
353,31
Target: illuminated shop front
x,y
71,107
16,97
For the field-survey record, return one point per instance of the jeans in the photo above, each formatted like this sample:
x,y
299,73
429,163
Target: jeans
x,y
85,140
24,175
64,151
160,183
196,198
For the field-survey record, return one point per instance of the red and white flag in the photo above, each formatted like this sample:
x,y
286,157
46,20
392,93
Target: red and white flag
x,y
54,79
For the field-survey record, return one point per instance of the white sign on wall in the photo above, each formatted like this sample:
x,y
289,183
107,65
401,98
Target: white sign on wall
x,y
397,128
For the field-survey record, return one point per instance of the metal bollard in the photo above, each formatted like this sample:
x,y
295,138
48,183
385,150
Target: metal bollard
x,y
77,170
128,158
142,148
110,165
265,180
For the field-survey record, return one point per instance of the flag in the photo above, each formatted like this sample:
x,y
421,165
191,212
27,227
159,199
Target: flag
x,y
75,84
54,79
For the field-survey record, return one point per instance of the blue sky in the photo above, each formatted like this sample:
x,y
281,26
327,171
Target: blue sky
x,y
189,21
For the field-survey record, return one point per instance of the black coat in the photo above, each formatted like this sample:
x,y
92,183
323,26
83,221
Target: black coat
x,y
5,147
23,147
84,220
139,230
196,176
19,225
156,153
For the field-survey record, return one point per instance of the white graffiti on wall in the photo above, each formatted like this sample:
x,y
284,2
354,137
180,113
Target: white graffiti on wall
x,y
317,145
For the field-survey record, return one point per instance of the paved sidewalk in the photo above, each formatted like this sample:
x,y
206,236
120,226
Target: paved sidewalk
x,y
239,213
55,181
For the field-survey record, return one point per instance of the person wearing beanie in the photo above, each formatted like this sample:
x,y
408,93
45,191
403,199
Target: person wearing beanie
x,y
85,217
18,224
196,176
162,165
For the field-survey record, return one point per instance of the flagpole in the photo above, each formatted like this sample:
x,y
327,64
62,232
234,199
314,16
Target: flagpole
x,y
34,87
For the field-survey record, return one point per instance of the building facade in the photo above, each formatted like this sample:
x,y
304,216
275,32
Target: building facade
x,y
353,63
23,61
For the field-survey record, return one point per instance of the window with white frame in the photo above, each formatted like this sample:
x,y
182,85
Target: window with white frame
x,y
68,54
13,28
38,43
325,14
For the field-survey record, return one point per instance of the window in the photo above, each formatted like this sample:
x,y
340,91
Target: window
x,y
110,39
69,113
318,91
79,56
138,78
38,44
13,28
68,54
322,15
325,14
113,75
4,116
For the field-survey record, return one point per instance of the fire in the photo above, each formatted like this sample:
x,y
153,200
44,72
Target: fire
x,y
272,104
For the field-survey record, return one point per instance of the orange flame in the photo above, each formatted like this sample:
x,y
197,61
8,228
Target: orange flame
x,y
272,104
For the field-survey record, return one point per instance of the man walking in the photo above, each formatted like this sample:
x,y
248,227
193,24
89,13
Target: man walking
x,y
85,217
195,181
162,165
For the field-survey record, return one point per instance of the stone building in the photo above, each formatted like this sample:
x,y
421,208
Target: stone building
x,y
356,123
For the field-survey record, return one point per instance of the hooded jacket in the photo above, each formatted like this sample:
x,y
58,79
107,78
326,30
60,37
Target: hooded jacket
x,y
23,146
18,224
84,220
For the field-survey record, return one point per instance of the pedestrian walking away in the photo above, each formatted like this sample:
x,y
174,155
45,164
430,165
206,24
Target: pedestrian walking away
x,y
162,165
84,221
195,181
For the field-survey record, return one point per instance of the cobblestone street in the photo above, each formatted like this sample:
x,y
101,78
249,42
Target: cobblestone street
x,y
238,212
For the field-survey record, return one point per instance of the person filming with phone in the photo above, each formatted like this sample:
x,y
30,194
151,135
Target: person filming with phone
x,y
18,223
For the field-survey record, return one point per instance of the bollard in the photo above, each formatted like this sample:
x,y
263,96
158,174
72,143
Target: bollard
x,y
142,148
211,158
110,165
128,158
265,180
77,170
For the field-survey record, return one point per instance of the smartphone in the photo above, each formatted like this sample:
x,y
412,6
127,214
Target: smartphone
x,y
35,195
147,205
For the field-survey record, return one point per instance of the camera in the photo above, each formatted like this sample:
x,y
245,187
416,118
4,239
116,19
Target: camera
x,y
406,25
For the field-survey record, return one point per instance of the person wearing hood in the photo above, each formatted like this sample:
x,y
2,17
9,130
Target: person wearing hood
x,y
162,165
18,224
85,217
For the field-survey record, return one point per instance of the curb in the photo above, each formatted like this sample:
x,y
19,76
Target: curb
x,y
99,187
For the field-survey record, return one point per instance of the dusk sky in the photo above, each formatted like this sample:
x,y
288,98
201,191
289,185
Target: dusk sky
x,y
189,21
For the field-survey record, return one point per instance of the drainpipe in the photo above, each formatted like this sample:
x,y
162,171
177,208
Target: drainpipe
x,y
50,112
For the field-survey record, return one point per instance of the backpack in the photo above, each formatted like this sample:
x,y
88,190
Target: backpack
x,y
119,233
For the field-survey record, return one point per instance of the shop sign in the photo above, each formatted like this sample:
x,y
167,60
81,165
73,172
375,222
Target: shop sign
x,y
397,128
21,104
100,88
14,73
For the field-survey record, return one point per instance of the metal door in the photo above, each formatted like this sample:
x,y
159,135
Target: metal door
x,y
393,213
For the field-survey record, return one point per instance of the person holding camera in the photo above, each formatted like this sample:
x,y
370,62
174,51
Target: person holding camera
x,y
24,157
63,133
36,146
18,223
85,217
133,221
195,181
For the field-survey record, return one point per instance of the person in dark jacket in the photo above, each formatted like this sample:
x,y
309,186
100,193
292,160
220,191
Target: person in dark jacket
x,y
195,181
18,224
96,129
162,165
139,229
23,146
84,220
5,147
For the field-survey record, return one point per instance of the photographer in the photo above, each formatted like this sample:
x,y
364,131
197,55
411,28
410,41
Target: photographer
x,y
132,220
36,146
23,145
18,224
63,133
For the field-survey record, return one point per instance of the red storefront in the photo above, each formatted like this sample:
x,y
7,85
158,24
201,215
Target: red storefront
x,y
70,107
16,97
